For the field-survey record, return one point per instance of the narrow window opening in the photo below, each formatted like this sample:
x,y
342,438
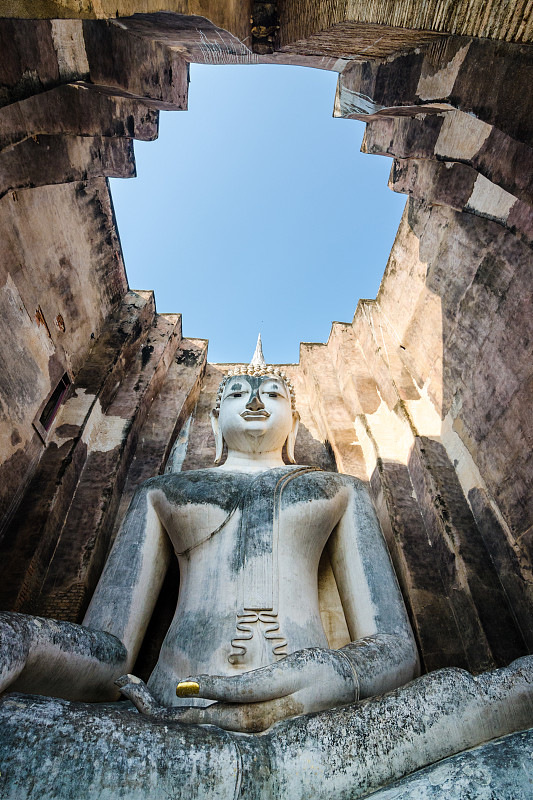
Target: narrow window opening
x,y
54,401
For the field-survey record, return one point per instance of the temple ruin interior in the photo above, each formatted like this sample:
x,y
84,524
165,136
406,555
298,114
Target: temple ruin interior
x,y
425,395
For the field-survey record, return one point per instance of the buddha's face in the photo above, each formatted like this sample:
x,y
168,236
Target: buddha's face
x,y
255,413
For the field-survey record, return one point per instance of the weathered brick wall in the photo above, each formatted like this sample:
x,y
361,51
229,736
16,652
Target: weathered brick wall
x,y
301,20
434,376
61,275
73,96
137,386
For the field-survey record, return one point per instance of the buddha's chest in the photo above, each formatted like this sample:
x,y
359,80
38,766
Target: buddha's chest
x,y
253,519
251,549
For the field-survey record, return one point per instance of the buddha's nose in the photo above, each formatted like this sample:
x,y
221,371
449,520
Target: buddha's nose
x,y
254,403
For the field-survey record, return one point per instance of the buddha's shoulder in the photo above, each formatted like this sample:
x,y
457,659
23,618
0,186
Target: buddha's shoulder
x,y
224,487
325,484
200,486
335,487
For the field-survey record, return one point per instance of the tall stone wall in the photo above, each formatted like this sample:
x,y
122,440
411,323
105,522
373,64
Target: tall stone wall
x,y
72,99
125,408
436,372
61,275
424,395
429,385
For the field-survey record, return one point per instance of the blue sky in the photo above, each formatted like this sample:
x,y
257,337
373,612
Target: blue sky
x,y
255,211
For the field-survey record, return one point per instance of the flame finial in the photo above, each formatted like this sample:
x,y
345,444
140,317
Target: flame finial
x,y
258,359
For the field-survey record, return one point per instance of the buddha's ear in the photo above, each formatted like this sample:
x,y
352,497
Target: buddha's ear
x,y
291,438
219,439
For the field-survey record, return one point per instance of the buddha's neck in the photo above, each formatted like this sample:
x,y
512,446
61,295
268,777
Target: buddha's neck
x,y
252,462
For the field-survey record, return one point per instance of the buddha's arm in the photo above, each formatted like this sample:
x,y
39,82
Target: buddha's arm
x,y
81,662
383,650
57,658
125,596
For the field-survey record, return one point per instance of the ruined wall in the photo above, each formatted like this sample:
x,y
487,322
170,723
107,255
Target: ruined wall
x,y
68,117
128,401
435,374
424,395
71,102
429,387
61,275
330,23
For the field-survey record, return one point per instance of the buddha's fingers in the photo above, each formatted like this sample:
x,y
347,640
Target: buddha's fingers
x,y
136,690
258,685
243,717
323,674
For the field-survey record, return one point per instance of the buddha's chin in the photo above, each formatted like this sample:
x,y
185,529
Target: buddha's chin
x,y
255,433
255,428
258,442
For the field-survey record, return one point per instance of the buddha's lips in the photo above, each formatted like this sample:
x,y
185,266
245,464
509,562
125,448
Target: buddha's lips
x,y
255,414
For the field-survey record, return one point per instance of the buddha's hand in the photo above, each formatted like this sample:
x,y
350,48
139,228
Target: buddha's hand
x,y
308,680
137,691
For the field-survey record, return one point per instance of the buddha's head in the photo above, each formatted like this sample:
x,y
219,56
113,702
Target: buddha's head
x,y
255,411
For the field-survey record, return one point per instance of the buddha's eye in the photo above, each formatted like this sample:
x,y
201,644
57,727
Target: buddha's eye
x,y
237,394
272,394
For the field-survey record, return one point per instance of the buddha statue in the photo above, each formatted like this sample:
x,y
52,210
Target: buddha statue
x,y
246,651
248,535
